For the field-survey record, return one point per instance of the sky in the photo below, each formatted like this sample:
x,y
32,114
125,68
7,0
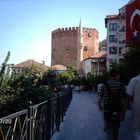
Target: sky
x,y
26,25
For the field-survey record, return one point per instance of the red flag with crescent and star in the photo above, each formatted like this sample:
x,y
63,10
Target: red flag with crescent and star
x,y
133,22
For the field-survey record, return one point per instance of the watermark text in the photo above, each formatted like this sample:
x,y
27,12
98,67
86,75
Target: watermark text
x,y
5,121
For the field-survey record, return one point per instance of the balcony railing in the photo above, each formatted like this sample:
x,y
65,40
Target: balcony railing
x,y
38,122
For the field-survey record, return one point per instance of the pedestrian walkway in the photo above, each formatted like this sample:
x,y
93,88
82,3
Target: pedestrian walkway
x,y
83,121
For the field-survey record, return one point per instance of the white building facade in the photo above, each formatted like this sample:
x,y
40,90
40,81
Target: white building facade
x,y
123,31
95,63
115,39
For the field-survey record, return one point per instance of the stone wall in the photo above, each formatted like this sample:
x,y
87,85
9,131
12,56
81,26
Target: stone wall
x,y
64,45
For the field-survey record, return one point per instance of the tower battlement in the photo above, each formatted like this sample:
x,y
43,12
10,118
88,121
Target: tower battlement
x,y
65,43
72,29
89,30
65,29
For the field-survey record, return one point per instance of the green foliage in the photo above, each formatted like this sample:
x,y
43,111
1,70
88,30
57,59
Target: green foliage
x,y
18,102
50,79
33,72
115,65
94,79
17,89
130,64
55,80
66,77
102,44
4,64
4,73
4,79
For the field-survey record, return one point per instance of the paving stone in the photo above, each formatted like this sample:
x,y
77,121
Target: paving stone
x,y
84,121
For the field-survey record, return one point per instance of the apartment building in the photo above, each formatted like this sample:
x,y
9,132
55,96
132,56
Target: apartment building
x,y
123,31
115,40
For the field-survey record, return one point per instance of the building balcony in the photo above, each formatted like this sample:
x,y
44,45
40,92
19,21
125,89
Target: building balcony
x,y
122,29
122,42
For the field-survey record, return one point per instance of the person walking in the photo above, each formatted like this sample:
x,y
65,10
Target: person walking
x,y
133,91
112,101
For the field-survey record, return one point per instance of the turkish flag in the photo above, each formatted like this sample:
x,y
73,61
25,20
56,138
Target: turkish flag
x,y
133,22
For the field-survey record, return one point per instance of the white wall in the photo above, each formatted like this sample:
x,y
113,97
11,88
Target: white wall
x,y
113,57
87,66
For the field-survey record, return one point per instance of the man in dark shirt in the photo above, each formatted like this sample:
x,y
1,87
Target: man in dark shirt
x,y
112,91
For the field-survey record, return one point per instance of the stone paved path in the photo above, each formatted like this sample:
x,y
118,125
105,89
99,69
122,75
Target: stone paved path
x,y
83,121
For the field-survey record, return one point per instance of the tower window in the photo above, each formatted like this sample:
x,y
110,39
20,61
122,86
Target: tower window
x,y
67,48
85,48
89,34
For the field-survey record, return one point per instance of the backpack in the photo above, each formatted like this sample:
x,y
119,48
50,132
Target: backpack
x,y
113,106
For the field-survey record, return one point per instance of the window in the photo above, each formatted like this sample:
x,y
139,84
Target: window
x,y
120,50
112,38
85,48
112,26
122,42
89,34
113,50
67,48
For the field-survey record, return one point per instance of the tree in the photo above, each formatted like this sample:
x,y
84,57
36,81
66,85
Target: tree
x,y
102,44
34,73
66,77
4,75
50,79
130,64
23,87
4,64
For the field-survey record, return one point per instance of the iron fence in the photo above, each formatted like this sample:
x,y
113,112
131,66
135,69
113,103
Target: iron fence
x,y
38,122
14,126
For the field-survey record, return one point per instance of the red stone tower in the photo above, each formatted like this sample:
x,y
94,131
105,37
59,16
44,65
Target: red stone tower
x,y
64,45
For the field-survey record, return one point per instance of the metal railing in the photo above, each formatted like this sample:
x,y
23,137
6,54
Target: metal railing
x,y
14,125
38,122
